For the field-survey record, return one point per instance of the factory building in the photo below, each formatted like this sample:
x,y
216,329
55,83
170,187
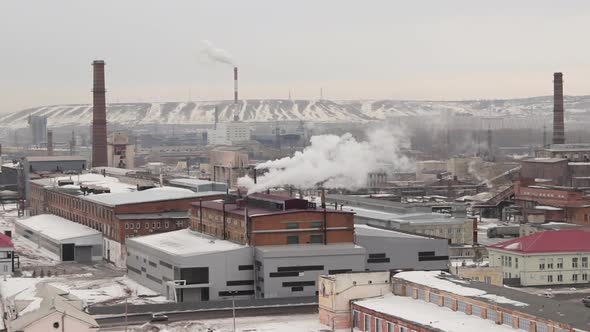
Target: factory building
x,y
114,208
120,153
197,185
70,241
270,246
384,248
228,166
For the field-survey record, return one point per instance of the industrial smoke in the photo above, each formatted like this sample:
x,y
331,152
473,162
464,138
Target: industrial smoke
x,y
217,54
333,161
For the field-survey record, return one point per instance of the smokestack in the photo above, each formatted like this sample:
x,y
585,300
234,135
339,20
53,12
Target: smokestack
x,y
236,86
558,126
323,198
50,142
99,117
216,117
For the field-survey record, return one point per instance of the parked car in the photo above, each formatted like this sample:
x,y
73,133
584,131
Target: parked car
x,y
586,301
159,318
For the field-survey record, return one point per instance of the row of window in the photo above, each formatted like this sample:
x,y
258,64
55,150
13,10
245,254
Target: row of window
x,y
368,325
155,225
550,261
574,277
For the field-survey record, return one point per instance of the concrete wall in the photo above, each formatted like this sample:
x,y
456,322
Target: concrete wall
x,y
272,283
403,253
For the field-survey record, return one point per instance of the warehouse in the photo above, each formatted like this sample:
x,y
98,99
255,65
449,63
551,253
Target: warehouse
x,y
69,240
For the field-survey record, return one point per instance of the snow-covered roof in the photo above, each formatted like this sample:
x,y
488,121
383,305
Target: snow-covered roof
x,y
441,281
368,230
89,179
185,242
149,195
56,227
189,182
548,208
430,314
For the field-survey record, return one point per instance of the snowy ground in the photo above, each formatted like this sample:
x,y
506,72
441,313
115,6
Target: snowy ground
x,y
295,323
23,293
482,231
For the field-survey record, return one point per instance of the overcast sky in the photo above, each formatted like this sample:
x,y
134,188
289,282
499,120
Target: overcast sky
x,y
353,49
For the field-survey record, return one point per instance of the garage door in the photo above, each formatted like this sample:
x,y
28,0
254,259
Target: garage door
x,y
84,254
67,252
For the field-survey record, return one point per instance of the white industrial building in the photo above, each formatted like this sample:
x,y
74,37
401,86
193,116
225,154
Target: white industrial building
x,y
228,133
69,240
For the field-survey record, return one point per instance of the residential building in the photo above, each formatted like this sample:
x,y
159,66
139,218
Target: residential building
x,y
547,258
114,208
229,133
68,240
58,311
479,272
437,301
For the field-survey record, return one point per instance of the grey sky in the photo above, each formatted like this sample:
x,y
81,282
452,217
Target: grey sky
x,y
353,49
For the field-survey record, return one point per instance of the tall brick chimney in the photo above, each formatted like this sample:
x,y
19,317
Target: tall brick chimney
x,y
99,117
50,142
558,126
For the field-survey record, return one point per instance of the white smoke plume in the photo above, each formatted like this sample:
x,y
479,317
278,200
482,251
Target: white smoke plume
x,y
217,54
334,162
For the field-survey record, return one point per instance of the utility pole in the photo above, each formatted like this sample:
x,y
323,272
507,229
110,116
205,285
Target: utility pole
x,y
126,313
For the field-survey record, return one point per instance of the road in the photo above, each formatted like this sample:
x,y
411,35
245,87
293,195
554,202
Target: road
x,y
108,323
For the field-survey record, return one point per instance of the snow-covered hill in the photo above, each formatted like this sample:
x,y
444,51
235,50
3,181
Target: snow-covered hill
x,y
133,114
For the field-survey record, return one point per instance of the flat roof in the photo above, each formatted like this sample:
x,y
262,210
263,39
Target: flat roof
x,y
257,211
190,182
559,311
149,195
161,215
185,242
56,227
368,230
544,160
429,218
430,314
55,158
88,179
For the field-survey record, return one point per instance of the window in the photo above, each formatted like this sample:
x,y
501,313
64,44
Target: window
x,y
585,262
524,324
476,311
585,276
507,319
488,280
509,261
560,263
293,239
316,224
390,327
549,263
154,225
316,239
292,225
356,319
158,224
575,262
461,306
403,329
378,325
542,264
574,277
560,278
131,226
550,278
516,262
367,323
138,226
126,226
166,224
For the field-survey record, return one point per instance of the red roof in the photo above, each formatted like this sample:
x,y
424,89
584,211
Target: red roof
x,y
5,241
569,240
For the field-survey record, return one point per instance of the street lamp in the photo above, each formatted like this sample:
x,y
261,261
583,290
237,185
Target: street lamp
x,y
233,307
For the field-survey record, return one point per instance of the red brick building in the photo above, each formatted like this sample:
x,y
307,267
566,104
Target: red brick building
x,y
118,215
264,219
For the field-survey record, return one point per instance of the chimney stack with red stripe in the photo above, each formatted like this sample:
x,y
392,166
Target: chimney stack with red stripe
x,y
558,121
